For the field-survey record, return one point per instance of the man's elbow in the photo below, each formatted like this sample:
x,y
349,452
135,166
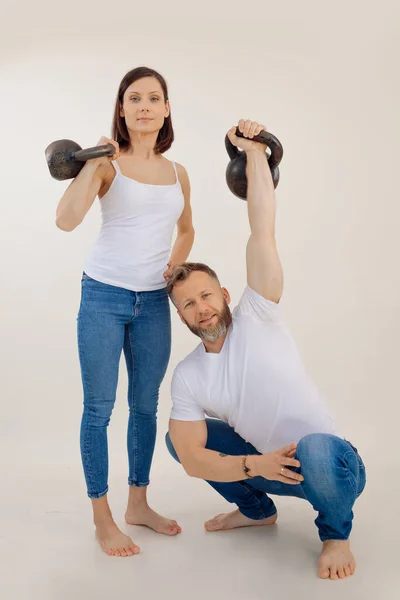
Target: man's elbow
x,y
189,468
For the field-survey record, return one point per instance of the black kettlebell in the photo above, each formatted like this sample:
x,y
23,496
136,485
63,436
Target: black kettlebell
x,y
66,158
236,169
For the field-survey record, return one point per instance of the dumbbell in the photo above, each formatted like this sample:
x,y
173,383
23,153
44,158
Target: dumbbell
x,y
236,169
66,158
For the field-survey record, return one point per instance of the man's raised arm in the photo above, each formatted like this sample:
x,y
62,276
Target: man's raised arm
x,y
264,270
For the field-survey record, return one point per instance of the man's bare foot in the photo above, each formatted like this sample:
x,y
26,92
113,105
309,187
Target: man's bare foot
x,y
144,515
336,560
112,540
236,519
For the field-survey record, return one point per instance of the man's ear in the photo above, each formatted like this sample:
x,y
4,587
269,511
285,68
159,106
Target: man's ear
x,y
226,295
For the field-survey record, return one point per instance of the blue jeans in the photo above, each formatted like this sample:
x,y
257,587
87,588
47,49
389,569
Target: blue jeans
x,y
334,477
112,319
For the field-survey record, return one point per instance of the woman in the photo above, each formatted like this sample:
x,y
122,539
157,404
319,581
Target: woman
x,y
124,304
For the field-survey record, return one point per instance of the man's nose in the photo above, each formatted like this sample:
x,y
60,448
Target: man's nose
x,y
203,307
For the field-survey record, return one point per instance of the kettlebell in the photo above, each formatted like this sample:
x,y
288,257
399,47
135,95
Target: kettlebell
x,y
65,158
236,169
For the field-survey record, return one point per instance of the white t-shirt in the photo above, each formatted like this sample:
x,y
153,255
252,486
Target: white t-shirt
x,y
257,383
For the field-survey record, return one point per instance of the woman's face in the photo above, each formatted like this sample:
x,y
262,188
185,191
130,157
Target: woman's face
x,y
144,107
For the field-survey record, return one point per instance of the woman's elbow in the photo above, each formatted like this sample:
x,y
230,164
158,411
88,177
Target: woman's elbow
x,y
65,225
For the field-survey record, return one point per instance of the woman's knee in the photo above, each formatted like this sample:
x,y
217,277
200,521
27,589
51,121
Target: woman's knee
x,y
98,413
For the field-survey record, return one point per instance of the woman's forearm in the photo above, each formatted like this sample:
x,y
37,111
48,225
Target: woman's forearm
x,y
182,247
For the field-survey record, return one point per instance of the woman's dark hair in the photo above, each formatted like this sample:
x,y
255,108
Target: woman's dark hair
x,y
119,130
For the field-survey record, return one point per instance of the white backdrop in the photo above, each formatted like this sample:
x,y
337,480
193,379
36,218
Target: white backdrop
x,y
324,78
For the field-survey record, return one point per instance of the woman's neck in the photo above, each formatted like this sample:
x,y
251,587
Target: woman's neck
x,y
142,146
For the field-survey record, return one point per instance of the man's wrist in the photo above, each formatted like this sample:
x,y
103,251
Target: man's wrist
x,y
252,464
256,151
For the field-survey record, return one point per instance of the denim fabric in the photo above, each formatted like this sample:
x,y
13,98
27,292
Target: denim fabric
x,y
333,471
112,319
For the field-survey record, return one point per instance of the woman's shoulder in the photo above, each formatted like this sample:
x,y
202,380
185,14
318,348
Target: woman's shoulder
x,y
182,173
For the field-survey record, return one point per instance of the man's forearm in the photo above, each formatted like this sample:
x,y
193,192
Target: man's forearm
x,y
260,194
215,466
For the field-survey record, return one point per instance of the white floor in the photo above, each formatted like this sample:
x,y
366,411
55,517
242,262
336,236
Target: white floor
x,y
48,551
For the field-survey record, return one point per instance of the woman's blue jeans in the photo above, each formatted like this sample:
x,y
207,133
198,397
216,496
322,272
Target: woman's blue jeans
x,y
334,477
112,319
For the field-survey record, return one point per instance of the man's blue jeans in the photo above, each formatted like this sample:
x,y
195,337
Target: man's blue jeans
x,y
333,471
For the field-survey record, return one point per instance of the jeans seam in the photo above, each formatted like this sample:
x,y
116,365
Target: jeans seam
x,y
134,427
85,449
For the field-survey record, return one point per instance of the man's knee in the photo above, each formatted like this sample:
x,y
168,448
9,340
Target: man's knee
x,y
170,447
319,446
319,455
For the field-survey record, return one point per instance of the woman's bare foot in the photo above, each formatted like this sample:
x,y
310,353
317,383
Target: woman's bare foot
x,y
236,519
112,540
336,560
144,515
140,513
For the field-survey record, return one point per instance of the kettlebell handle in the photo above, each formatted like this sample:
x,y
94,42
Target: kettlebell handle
x,y
265,137
95,152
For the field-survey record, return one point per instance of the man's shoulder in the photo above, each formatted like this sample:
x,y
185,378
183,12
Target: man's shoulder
x,y
187,364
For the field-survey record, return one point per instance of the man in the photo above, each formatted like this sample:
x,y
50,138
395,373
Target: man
x,y
271,432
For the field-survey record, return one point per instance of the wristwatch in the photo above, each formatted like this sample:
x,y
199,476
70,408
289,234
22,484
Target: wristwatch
x,y
246,468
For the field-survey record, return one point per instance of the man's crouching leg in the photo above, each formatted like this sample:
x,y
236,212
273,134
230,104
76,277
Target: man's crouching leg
x,y
255,508
334,477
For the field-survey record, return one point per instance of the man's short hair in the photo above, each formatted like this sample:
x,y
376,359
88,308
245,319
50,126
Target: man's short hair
x,y
182,272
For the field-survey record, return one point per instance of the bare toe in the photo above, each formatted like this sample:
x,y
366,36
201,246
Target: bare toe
x,y
324,574
334,574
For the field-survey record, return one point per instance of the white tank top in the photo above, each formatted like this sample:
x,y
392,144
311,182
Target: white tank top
x,y
134,245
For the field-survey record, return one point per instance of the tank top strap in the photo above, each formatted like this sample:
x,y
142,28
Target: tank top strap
x,y
116,166
176,172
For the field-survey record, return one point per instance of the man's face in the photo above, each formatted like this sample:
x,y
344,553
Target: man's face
x,y
203,306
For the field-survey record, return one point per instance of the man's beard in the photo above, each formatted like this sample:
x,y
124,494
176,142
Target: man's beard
x,y
213,332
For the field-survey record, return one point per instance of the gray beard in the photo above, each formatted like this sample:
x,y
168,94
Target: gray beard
x,y
212,334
